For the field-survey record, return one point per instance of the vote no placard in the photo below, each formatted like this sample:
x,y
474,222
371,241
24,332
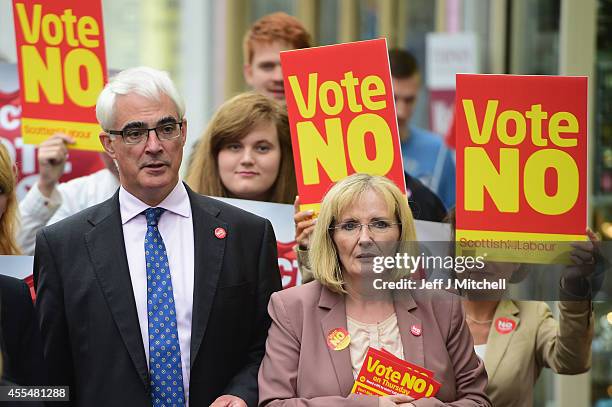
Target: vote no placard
x,y
342,116
62,69
521,166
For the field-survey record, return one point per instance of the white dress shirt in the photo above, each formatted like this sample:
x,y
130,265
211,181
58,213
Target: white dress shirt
x,y
176,229
66,199
481,350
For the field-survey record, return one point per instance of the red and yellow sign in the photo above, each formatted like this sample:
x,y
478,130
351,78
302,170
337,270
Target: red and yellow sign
x,y
521,166
342,116
79,163
383,373
338,339
62,68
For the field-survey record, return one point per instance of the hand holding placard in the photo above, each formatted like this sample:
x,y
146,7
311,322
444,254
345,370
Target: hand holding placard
x,y
52,155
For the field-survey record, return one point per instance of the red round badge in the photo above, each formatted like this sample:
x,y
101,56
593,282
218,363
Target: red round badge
x,y
504,325
220,233
416,330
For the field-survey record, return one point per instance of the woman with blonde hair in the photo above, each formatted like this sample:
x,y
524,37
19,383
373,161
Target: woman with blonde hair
x,y
363,217
8,205
22,361
245,152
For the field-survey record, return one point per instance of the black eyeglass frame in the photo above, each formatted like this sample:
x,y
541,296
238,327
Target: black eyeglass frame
x,y
121,132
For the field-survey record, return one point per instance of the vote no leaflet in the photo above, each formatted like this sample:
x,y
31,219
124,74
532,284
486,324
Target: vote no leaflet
x,y
383,373
521,166
341,115
62,69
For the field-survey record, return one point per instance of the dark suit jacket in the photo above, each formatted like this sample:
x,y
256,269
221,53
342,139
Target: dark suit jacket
x,y
22,359
300,370
88,316
424,203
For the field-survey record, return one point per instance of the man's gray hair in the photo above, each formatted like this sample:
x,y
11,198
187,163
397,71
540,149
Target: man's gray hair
x,y
144,81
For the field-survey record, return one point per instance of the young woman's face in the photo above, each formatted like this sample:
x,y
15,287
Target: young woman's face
x,y
249,167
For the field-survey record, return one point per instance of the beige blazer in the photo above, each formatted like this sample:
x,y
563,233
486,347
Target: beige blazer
x,y
299,369
514,360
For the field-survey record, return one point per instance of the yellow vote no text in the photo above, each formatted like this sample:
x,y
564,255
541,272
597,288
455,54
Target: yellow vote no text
x,y
45,70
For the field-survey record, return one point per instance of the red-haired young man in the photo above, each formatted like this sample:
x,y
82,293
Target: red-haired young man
x,y
262,45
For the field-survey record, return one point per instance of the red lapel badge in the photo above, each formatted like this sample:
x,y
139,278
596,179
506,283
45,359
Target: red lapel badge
x,y
504,325
220,233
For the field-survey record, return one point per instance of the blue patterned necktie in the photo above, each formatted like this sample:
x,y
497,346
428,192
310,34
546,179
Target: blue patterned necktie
x,y
164,346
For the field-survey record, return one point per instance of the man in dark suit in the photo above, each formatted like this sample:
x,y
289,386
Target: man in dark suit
x,y
157,296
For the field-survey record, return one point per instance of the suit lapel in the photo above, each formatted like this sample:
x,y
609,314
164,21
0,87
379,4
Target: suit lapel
x,y
209,252
497,343
336,318
107,254
412,344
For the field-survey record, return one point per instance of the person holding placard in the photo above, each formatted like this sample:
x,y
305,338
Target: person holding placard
x,y
245,152
343,120
534,220
516,339
22,359
49,201
361,217
61,56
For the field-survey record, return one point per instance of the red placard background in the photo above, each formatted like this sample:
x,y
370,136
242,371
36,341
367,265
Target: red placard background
x,y
68,111
79,163
555,94
363,58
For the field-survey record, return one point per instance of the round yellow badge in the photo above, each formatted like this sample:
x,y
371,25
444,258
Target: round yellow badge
x,y
338,339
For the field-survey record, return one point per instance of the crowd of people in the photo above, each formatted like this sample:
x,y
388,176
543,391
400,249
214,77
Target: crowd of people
x,y
148,292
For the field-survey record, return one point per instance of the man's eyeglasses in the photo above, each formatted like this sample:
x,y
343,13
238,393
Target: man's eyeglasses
x,y
166,131
354,228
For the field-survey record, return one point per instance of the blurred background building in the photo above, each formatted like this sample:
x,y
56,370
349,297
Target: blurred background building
x,y
200,43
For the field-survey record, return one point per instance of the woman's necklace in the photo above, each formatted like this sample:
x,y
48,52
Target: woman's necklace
x,y
476,321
